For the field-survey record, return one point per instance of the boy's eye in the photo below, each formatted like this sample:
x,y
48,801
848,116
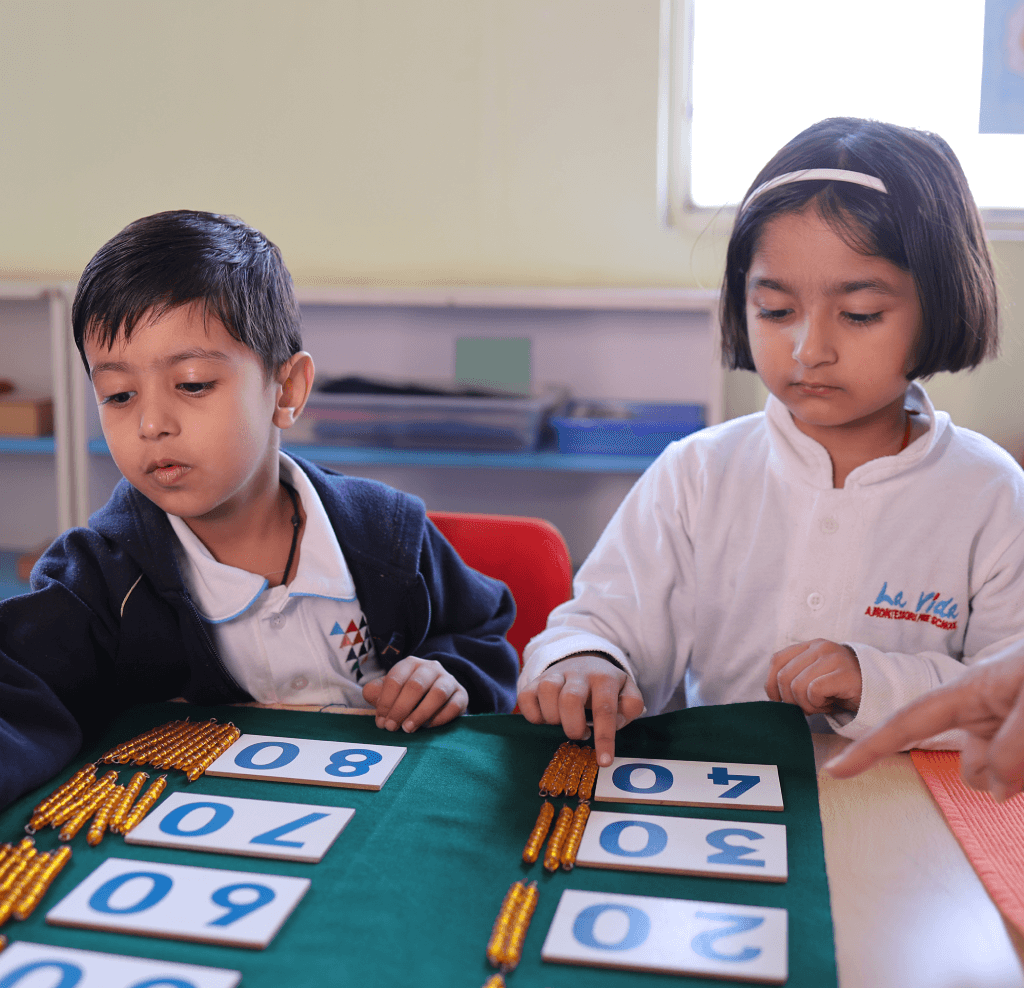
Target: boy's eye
x,y
196,387
121,398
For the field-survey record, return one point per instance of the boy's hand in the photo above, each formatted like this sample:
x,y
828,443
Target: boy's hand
x,y
819,676
416,693
560,695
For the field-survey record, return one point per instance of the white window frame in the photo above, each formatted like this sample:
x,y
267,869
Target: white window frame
x,y
675,111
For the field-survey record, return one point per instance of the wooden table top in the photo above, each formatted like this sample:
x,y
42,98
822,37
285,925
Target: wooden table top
x,y
908,909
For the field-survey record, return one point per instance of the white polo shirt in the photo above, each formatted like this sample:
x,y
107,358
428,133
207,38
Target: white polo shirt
x,y
304,643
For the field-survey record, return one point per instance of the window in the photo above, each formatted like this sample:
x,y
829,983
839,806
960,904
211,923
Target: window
x,y
740,78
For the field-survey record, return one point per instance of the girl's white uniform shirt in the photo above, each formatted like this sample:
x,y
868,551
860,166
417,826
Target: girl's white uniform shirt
x,y
734,544
304,643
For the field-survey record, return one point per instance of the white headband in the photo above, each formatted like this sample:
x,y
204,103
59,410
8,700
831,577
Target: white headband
x,y
816,174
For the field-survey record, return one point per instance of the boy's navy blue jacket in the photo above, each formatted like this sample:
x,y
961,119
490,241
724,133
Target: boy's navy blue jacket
x,y
110,623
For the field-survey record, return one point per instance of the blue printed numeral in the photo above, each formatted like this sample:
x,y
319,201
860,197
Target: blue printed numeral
x,y
622,778
720,776
704,943
347,763
657,838
271,836
71,975
161,884
733,854
637,929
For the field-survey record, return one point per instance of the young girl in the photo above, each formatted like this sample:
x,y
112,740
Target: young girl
x,y
848,548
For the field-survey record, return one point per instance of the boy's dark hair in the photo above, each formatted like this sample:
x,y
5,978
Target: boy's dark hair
x,y
926,223
181,257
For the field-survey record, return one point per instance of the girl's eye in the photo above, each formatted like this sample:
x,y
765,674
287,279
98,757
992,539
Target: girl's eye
x,y
121,398
773,315
862,318
196,387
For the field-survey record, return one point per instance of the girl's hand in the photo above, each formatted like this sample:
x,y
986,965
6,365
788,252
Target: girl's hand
x,y
416,693
819,676
563,691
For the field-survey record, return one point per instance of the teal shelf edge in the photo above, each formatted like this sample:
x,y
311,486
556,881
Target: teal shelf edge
x,y
26,444
553,461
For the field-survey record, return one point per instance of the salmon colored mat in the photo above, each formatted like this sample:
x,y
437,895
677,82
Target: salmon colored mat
x,y
991,833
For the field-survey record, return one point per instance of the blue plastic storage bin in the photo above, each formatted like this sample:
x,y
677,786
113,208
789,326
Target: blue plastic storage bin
x,y
641,428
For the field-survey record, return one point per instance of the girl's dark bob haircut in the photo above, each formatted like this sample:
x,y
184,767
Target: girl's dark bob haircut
x,y
926,223
185,257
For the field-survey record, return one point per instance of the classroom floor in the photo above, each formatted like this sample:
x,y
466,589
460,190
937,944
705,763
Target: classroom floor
x,y
10,585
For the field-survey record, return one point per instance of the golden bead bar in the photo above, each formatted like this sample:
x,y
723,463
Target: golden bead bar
x,y
554,849
553,766
145,804
503,924
567,857
540,830
513,949
34,893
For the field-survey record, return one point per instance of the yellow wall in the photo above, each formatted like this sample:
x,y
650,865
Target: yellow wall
x,y
376,141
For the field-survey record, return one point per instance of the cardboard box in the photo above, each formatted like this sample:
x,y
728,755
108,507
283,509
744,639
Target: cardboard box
x,y
24,414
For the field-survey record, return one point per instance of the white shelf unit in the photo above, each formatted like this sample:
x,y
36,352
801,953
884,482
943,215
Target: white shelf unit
x,y
633,344
42,493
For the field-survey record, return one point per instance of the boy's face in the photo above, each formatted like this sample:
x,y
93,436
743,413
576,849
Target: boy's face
x,y
188,414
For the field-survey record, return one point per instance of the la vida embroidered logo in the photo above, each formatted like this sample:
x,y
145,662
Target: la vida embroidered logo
x,y
930,609
355,638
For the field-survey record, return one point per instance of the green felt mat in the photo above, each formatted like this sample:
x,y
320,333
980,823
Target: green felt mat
x,y
409,891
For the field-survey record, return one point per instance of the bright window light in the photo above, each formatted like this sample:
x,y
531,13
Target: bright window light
x,y
761,72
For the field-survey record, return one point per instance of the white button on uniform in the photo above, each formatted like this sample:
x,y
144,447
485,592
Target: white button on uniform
x,y
299,683
829,525
815,600
276,621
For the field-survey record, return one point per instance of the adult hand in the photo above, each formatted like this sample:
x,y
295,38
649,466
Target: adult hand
x,y
563,691
987,702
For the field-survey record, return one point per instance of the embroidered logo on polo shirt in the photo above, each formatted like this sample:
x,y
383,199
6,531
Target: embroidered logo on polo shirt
x,y
356,647
931,608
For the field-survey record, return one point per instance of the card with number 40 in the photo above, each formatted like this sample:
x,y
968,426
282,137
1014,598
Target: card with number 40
x,y
679,783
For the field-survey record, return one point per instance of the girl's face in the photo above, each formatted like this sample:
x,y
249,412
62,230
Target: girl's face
x,y
832,331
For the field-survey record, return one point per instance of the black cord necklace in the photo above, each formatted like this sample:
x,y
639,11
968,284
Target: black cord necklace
x,y
296,525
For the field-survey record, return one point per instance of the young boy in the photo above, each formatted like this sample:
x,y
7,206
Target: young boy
x,y
221,569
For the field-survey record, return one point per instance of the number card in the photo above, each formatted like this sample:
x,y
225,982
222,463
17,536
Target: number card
x,y
684,846
670,936
316,763
60,966
181,902
256,828
678,783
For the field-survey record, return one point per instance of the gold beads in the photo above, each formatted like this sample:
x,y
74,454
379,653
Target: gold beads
x,y
540,830
554,767
124,804
567,857
101,820
27,878
179,744
505,948
80,812
580,760
494,981
553,851
586,786
34,893
145,804
517,935
82,779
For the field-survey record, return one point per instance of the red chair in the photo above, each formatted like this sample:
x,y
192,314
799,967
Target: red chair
x,y
528,555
